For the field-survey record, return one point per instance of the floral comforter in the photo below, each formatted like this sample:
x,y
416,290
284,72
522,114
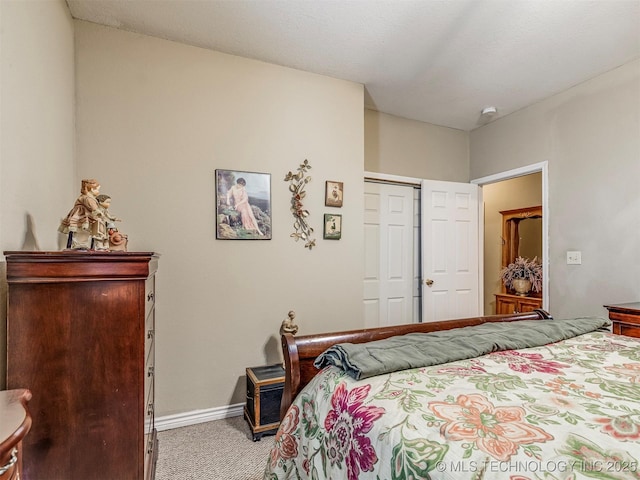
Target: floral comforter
x,y
568,410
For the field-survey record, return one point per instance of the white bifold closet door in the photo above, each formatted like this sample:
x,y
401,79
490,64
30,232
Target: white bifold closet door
x,y
390,279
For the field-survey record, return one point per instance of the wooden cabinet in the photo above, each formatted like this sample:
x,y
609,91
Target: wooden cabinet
x,y
264,394
625,318
15,422
80,336
506,303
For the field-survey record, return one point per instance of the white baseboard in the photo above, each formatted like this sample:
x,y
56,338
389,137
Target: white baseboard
x,y
167,422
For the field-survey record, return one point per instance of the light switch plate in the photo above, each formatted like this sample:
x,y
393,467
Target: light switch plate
x,y
574,258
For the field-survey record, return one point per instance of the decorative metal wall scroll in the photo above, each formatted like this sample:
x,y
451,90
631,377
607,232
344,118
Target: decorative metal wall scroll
x,y
297,183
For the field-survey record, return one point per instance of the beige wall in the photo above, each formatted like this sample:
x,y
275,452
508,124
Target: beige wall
x,y
403,147
36,131
520,192
590,136
155,119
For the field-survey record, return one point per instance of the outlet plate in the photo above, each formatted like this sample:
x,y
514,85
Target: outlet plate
x,y
574,257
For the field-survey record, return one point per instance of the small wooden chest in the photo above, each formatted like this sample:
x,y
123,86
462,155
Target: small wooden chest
x,y
264,393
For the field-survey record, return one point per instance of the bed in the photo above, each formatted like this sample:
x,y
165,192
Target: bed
x,y
532,398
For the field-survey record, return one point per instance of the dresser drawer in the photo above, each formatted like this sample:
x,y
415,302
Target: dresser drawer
x,y
529,305
626,329
509,304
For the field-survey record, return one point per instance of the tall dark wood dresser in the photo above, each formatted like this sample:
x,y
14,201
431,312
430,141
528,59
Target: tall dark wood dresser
x,y
80,336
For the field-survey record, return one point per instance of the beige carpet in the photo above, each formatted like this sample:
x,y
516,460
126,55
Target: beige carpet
x,y
218,450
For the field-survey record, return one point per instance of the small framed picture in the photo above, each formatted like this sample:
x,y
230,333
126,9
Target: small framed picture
x,y
333,194
243,205
332,226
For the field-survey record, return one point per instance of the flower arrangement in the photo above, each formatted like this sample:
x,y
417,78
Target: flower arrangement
x,y
523,269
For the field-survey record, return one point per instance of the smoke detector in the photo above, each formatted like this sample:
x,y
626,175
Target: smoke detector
x,y
488,111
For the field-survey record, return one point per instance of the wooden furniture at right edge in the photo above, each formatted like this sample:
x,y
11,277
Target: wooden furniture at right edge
x,y
508,304
625,318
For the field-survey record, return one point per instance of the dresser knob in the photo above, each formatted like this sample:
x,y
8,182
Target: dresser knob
x,y
150,296
150,334
150,371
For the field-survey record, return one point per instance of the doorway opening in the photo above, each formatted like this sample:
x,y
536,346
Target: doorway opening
x,y
411,312
496,191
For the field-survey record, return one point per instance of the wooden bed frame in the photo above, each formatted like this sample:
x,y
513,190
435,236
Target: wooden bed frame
x,y
300,352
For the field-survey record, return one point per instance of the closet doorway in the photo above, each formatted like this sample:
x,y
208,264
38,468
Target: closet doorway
x,y
392,253
421,250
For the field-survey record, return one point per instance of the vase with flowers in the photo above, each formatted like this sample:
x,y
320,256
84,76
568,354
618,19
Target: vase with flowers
x,y
523,275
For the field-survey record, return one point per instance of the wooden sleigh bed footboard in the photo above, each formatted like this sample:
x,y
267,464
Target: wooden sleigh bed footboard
x,y
300,352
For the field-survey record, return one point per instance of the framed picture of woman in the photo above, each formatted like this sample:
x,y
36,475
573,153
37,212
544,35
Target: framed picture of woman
x,y
333,194
243,205
332,226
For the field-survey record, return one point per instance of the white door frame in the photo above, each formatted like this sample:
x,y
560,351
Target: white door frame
x,y
542,167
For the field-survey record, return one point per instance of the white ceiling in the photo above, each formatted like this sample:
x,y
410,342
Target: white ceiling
x,y
437,61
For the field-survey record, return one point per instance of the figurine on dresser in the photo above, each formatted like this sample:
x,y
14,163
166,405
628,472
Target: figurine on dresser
x,y
89,225
105,234
117,241
79,221
99,230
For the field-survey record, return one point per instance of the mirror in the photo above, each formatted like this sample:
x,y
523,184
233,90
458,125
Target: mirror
x,y
521,234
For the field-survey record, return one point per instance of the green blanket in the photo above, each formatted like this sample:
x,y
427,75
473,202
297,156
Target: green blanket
x,y
414,350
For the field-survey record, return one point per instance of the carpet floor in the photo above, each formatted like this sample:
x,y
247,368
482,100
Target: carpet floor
x,y
218,450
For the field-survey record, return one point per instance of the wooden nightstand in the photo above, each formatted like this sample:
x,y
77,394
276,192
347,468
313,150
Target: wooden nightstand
x,y
625,318
264,393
